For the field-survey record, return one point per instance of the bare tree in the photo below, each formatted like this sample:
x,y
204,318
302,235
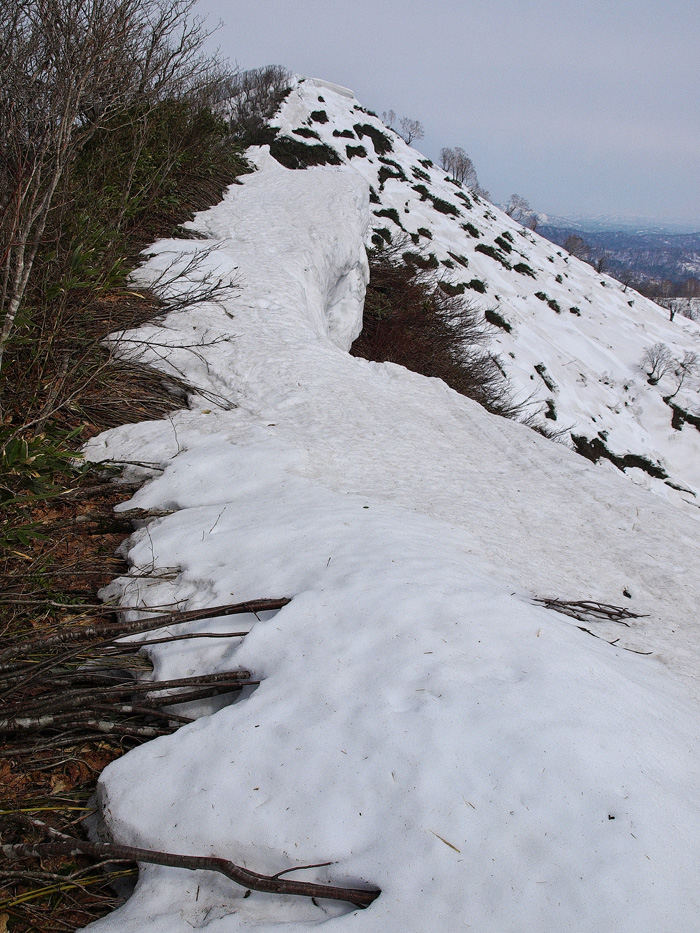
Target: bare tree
x,y
519,209
408,130
67,68
459,165
657,360
601,263
576,245
688,366
411,129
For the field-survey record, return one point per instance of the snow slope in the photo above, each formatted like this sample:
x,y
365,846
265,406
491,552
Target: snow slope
x,y
419,722
574,352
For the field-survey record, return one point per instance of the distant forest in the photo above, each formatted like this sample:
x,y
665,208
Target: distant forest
x,y
660,265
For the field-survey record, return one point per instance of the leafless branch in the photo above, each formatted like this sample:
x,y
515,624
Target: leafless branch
x,y
267,884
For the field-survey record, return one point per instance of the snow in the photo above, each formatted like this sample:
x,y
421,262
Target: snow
x,y
420,722
593,354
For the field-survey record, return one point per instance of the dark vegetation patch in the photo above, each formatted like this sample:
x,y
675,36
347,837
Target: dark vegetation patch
x,y
680,488
353,152
410,320
552,302
444,207
497,319
319,116
381,142
462,260
378,240
346,134
373,196
574,310
681,416
390,169
493,253
551,410
306,132
595,449
463,197
524,269
447,263
418,259
391,213
507,235
385,173
452,288
393,164
471,230
477,285
426,163
294,154
503,244
420,174
543,373
425,232
384,234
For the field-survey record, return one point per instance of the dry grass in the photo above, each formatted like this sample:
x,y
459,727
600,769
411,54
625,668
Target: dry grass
x,y
65,378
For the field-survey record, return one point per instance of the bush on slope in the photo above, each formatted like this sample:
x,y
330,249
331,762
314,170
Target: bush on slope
x,y
410,320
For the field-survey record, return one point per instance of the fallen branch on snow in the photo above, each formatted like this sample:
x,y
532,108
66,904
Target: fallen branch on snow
x,y
587,610
267,884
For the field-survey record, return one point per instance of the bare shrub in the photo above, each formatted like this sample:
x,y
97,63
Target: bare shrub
x,y
411,320
253,97
69,68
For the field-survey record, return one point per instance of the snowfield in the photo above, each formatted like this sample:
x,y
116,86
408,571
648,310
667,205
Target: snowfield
x,y
420,722
576,340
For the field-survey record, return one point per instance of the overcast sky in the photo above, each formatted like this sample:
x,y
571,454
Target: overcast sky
x,y
584,108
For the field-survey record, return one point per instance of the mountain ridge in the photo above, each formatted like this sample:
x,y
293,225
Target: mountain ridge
x,y
571,341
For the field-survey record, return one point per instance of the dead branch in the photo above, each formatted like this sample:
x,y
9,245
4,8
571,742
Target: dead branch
x,y
46,711
24,647
588,610
267,884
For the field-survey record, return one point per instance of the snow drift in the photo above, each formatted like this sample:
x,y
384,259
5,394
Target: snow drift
x,y
419,723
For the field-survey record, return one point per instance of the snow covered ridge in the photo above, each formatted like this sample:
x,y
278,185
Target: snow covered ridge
x,y
573,342
420,723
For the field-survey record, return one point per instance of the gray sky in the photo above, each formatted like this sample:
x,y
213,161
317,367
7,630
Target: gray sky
x,y
584,108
